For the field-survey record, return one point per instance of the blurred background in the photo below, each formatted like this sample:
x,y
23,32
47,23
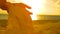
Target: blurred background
x,y
46,16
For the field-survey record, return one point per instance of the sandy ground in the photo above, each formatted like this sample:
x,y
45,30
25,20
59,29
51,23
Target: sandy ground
x,y
40,27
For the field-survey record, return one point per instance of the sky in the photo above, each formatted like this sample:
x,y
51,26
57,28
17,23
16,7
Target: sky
x,y
39,7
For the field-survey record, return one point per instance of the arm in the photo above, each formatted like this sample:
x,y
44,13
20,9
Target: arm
x,y
25,5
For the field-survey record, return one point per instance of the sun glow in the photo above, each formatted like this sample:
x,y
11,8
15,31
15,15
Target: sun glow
x,y
40,7
37,6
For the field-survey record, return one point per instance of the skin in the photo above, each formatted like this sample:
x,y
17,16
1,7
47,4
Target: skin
x,y
19,15
6,6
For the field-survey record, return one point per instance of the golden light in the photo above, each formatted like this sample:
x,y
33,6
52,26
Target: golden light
x,y
40,7
37,7
3,11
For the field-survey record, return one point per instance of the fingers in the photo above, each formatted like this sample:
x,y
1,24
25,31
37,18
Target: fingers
x,y
25,5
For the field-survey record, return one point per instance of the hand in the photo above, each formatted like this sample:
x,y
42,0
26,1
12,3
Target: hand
x,y
30,13
25,5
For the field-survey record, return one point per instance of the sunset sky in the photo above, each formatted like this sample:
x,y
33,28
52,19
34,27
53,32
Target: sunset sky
x,y
40,7
45,7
